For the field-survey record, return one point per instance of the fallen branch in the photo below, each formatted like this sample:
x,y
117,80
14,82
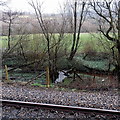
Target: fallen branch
x,y
34,78
78,76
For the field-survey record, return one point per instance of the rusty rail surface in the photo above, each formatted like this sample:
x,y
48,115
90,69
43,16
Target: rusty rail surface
x,y
61,107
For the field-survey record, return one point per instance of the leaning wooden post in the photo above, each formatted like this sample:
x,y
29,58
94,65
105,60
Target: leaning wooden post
x,y
6,73
48,77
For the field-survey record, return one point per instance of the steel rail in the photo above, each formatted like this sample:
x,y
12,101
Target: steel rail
x,y
62,107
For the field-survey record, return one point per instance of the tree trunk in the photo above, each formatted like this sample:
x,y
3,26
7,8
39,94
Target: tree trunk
x,y
53,74
72,53
9,34
76,34
118,68
118,46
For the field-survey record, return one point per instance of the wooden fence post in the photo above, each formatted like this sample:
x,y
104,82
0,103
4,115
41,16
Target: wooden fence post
x,y
6,73
48,77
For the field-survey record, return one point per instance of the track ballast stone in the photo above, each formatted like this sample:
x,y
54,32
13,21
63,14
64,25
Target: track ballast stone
x,y
10,112
97,99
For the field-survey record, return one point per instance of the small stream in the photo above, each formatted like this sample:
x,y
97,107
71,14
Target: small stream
x,y
61,77
25,77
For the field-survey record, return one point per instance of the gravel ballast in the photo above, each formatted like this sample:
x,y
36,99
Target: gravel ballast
x,y
97,99
32,113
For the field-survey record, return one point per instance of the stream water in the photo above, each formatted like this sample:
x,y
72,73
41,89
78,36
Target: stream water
x,y
61,77
25,77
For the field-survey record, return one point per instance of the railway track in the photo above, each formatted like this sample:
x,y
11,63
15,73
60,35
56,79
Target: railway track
x,y
60,107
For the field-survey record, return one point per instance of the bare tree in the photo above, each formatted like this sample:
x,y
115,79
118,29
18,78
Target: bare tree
x,y
76,24
8,18
107,14
16,35
48,27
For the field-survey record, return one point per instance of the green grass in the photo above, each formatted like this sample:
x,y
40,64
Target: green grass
x,y
37,42
88,42
40,85
67,81
37,84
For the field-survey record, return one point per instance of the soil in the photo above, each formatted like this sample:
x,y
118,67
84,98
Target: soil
x,y
92,84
